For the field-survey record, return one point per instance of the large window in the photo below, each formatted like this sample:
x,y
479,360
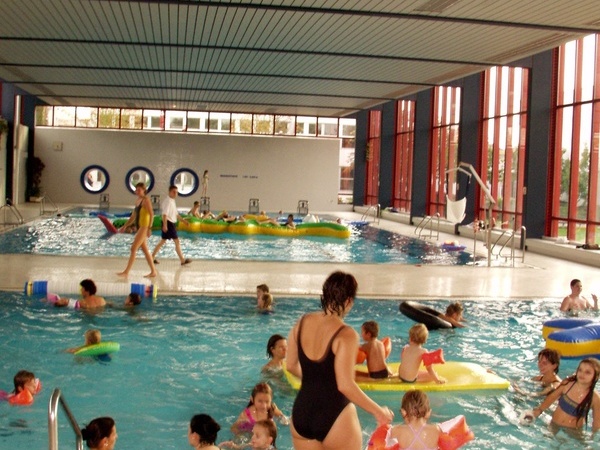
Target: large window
x,y
372,156
403,154
444,146
503,143
575,176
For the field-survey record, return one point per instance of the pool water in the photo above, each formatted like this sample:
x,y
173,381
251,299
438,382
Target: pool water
x,y
77,233
193,354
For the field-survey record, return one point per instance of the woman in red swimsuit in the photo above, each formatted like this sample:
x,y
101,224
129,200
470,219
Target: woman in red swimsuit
x,y
322,351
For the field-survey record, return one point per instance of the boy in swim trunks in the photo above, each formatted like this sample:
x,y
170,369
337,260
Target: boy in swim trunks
x,y
374,350
412,356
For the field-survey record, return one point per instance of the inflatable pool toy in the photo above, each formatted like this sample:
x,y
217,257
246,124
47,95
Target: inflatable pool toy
x,y
423,314
434,357
573,337
108,224
453,246
23,398
380,439
251,226
361,357
102,348
46,288
455,433
460,376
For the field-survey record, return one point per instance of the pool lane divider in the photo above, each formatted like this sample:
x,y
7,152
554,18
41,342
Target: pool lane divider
x,y
43,287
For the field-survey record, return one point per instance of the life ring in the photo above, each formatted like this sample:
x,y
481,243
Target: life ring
x,y
578,338
361,356
455,433
379,440
423,314
102,348
452,246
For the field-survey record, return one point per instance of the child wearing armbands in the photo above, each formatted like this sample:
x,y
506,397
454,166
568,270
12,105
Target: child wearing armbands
x,y
26,386
413,354
375,351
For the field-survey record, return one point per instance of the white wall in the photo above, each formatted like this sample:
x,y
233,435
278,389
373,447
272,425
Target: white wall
x,y
277,170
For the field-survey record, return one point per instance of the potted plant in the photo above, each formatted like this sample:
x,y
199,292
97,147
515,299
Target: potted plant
x,y
35,167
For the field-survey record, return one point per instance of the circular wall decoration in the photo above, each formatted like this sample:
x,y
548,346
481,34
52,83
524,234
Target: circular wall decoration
x,y
94,179
137,175
186,180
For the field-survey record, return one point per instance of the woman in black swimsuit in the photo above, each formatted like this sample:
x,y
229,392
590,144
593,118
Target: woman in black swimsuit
x,y
322,352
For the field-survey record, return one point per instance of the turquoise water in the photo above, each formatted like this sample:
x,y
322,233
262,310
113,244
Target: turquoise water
x,y
186,355
76,233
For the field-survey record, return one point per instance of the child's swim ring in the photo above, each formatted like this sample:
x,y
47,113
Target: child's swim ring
x,y
361,357
453,246
423,314
103,348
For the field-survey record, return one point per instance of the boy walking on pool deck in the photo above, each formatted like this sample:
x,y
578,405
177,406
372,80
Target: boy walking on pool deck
x,y
170,215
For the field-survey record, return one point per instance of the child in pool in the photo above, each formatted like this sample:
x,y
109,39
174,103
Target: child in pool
x,y
261,290
264,435
416,432
548,362
576,395
374,350
91,337
202,432
454,315
260,407
276,350
26,386
265,304
133,299
412,356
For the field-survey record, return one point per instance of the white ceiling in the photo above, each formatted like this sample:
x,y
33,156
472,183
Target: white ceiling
x,y
304,57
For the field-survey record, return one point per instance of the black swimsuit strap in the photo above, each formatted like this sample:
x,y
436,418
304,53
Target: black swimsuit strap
x,y
329,345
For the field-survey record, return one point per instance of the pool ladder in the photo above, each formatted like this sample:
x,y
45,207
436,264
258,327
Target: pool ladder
x,y
55,399
504,246
375,210
10,207
427,225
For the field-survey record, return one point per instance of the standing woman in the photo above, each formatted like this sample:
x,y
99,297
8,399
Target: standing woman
x,y
204,184
322,352
100,434
142,216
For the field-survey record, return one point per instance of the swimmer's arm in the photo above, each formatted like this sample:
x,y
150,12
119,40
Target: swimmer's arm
x,y
235,428
279,415
596,412
595,307
550,399
61,302
433,374
564,306
454,323
292,363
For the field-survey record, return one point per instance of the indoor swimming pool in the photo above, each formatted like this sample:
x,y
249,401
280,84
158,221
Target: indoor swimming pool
x,y
184,355
77,232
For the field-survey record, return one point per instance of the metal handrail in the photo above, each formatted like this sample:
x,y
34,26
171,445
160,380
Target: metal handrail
x,y
425,221
510,240
376,213
43,209
8,206
55,399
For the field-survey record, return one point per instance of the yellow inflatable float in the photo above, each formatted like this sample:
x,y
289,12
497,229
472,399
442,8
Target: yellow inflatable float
x,y
460,376
251,225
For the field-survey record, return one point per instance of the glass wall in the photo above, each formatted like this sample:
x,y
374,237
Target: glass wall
x,y
575,164
502,151
444,145
403,155
372,156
